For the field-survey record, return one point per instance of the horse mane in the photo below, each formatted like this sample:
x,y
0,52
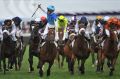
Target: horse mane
x,y
49,47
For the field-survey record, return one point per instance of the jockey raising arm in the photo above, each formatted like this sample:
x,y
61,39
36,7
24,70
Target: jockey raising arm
x,y
62,23
51,18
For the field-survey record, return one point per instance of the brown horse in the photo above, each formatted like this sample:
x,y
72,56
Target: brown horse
x,y
81,49
61,44
48,52
8,50
109,51
94,48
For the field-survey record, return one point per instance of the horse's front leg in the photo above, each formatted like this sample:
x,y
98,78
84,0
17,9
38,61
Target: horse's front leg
x,y
0,66
50,65
63,57
93,58
30,59
82,67
4,65
71,66
112,68
41,63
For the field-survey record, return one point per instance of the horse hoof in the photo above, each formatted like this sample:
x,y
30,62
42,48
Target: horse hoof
x,y
41,74
111,74
71,72
30,70
82,72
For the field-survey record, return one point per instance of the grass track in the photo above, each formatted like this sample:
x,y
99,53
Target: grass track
x,y
62,73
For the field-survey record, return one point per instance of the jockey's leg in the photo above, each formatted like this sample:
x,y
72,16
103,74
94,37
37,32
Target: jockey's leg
x,y
107,32
56,36
45,31
65,36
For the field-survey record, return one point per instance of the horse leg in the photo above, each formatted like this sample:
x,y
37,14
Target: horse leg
x,y
4,65
31,62
102,62
112,68
82,68
50,65
15,61
99,56
0,66
78,60
41,63
71,66
20,58
63,57
58,57
93,59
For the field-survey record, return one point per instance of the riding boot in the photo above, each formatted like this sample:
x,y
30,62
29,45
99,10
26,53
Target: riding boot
x,y
22,39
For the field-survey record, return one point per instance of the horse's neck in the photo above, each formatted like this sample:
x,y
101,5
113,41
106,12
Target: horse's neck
x,y
113,36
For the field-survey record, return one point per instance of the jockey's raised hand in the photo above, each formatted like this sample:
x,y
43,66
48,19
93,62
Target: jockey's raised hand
x,y
51,18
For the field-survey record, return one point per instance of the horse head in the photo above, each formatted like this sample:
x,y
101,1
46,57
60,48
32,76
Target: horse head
x,y
35,34
6,35
51,34
60,35
113,33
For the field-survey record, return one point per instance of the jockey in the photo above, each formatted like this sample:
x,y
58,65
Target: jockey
x,y
18,23
62,23
43,23
86,23
10,26
73,24
51,18
113,23
97,25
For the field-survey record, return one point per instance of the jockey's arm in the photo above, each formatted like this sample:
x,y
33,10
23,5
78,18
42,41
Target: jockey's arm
x,y
0,30
13,29
93,27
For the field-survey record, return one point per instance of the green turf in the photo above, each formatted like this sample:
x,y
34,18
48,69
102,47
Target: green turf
x,y
62,73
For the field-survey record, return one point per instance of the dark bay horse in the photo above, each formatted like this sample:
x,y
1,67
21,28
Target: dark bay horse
x,y
34,46
109,51
8,50
81,49
94,48
20,49
48,52
61,44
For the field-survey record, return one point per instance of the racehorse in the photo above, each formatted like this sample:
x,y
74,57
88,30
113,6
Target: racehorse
x,y
48,52
109,51
81,49
20,49
8,50
61,44
95,37
69,54
34,44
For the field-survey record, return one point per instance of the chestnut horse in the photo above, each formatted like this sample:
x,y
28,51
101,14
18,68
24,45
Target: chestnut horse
x,y
48,52
109,51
